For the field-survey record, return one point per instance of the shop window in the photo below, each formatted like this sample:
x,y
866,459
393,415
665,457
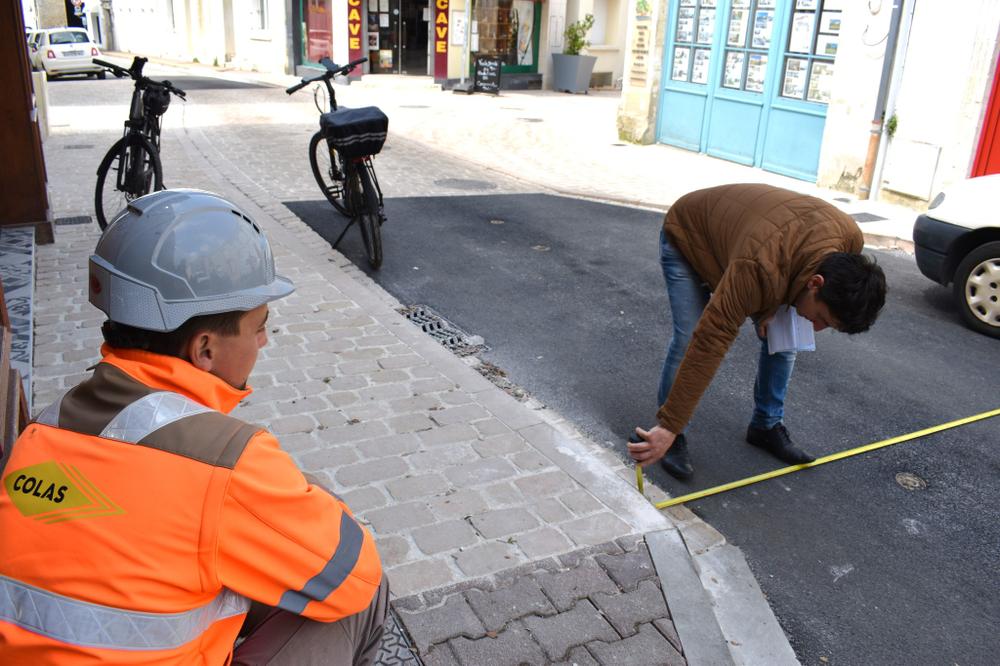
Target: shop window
x,y
693,41
812,47
504,30
749,28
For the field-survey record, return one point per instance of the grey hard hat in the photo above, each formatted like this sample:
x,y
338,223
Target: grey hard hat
x,y
177,254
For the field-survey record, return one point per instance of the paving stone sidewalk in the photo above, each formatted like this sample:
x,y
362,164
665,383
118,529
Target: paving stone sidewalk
x,y
477,501
600,605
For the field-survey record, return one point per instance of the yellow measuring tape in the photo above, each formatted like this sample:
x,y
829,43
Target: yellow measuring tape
x,y
819,461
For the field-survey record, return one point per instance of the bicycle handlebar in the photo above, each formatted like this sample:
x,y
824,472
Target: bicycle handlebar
x,y
135,72
333,69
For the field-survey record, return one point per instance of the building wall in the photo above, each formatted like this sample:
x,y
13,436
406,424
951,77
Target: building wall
x,y
257,49
643,57
51,13
942,97
30,13
856,75
939,98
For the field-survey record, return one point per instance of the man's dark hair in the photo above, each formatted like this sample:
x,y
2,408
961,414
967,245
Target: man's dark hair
x,y
853,288
171,343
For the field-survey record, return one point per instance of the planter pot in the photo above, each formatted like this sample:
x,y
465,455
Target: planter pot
x,y
572,72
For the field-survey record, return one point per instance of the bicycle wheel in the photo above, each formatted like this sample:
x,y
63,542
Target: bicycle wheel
x,y
369,218
326,170
127,172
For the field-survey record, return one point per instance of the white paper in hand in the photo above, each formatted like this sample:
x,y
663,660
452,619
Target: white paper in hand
x,y
789,331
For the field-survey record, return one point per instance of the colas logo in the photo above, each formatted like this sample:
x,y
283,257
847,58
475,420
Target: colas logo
x,y
51,492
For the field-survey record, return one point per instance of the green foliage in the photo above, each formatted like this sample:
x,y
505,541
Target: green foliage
x,y
215,63
891,125
576,34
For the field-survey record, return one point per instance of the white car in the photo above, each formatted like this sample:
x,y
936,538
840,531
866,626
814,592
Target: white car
x,y
958,241
59,51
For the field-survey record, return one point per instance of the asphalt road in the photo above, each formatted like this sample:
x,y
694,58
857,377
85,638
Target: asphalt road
x,y
886,558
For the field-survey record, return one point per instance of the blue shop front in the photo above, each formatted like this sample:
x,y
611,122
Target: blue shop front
x,y
749,80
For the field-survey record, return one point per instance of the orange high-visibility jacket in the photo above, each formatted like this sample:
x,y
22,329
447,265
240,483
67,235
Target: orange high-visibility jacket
x,y
138,520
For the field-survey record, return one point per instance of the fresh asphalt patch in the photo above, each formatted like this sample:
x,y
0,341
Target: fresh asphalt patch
x,y
886,557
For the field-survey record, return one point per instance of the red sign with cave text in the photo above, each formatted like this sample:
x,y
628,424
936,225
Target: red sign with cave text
x,y
440,40
354,50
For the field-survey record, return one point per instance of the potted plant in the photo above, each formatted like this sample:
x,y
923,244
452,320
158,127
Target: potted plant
x,y
570,70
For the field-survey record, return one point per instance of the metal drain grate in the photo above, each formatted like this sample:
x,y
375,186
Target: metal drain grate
x,y
465,184
395,649
75,219
866,217
78,146
439,328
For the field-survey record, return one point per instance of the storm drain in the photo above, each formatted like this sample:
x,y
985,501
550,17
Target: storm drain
x,y
455,339
866,217
465,184
395,649
74,219
78,146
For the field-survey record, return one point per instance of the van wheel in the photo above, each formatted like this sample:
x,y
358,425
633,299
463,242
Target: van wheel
x,y
102,74
977,289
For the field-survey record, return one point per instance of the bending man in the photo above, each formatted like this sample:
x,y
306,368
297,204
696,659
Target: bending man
x,y
739,251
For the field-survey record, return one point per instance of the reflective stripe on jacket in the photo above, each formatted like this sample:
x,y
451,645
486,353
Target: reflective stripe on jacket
x,y
138,520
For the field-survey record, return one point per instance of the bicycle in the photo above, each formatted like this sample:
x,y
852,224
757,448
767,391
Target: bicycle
x,y
340,155
134,158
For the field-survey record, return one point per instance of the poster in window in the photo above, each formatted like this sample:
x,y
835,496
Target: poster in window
x,y
800,40
383,5
706,25
756,68
680,71
707,3
765,4
741,3
688,3
699,68
827,45
763,24
383,20
373,5
820,81
794,84
806,4
525,13
373,41
733,76
385,58
833,5
685,25
830,22
738,19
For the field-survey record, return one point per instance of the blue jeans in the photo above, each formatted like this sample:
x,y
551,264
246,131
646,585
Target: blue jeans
x,y
688,296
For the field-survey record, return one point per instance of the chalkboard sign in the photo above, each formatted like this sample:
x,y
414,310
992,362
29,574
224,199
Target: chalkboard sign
x,y
487,77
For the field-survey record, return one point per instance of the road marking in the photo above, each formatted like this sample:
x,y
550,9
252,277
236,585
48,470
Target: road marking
x,y
819,461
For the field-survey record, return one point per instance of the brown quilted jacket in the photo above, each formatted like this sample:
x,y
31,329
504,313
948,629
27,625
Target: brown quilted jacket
x,y
755,246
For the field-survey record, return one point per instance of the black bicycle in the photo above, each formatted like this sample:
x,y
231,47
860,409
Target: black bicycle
x,y
340,156
132,166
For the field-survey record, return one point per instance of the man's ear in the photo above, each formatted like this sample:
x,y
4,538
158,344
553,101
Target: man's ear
x,y
201,350
816,281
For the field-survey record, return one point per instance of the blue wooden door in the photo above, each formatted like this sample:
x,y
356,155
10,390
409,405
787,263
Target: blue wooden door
x,y
748,80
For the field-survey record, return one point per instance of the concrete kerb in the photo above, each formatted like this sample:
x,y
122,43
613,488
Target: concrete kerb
x,y
706,581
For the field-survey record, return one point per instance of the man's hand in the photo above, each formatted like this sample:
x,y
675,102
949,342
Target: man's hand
x,y
762,327
656,442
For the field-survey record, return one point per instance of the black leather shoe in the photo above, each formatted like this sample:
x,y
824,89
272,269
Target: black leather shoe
x,y
677,462
778,443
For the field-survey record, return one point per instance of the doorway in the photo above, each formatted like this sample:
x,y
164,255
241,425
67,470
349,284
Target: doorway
x,y
397,36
